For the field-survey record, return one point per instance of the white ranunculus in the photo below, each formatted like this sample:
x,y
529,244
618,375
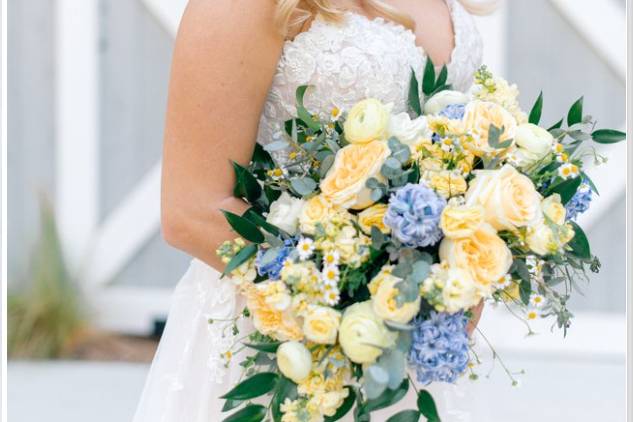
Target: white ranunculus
x,y
294,360
533,143
406,130
284,213
443,99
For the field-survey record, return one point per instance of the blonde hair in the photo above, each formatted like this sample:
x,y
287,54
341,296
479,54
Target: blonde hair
x,y
293,14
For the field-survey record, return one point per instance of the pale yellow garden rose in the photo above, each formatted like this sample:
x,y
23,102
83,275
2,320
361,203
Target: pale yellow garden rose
x,y
294,360
316,210
383,298
447,183
354,164
484,255
544,239
478,117
458,290
508,197
367,121
533,144
320,324
373,217
270,315
458,221
363,334
554,209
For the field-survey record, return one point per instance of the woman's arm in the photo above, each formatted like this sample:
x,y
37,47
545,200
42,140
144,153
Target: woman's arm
x,y
224,60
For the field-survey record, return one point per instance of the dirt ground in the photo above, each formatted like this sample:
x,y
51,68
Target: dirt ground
x,y
109,347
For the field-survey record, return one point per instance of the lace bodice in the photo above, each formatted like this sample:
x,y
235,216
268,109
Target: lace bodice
x,y
357,59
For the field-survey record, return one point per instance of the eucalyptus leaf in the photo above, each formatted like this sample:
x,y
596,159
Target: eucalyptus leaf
x,y
388,397
303,186
276,146
326,164
375,381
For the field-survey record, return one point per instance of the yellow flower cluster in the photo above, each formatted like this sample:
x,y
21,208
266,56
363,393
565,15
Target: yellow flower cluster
x,y
497,90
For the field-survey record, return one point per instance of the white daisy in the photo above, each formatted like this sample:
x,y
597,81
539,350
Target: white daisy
x,y
562,158
504,282
331,258
532,314
305,247
330,274
537,300
331,297
335,113
568,171
558,148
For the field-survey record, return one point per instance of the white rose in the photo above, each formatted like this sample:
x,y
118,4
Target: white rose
x,y
294,360
460,292
284,213
441,100
533,143
406,130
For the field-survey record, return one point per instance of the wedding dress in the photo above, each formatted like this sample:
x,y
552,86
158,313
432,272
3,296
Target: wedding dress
x,y
344,63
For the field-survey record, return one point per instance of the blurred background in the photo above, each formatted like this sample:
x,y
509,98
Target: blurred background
x,y
90,277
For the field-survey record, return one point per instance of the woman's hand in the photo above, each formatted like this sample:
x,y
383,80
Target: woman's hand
x,y
474,319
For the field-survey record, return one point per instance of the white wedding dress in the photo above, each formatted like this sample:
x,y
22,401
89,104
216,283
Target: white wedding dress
x,y
344,63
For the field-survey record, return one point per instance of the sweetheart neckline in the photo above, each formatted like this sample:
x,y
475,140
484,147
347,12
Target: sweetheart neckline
x,y
382,21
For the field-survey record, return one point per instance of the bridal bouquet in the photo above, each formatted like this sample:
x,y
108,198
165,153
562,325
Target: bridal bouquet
x,y
373,235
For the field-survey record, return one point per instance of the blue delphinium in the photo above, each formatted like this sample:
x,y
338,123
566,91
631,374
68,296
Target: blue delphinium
x,y
580,202
269,265
439,350
454,111
414,215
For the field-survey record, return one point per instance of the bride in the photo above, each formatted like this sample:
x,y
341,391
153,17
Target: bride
x,y
236,66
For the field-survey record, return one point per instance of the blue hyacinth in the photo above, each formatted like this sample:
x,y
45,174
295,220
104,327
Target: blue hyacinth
x,y
414,215
580,202
439,351
271,268
454,111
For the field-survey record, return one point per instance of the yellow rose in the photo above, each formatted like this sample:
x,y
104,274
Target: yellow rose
x,y
484,255
478,117
554,209
458,221
508,197
351,245
367,121
447,183
294,360
320,324
363,334
268,318
373,217
384,293
354,164
316,210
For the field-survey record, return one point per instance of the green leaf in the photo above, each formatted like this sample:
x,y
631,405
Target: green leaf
x,y
428,81
326,164
494,138
231,404
592,185
302,113
251,413
525,291
441,79
567,189
257,219
303,186
344,408
575,113
388,398
246,185
241,257
285,389
608,136
264,347
414,95
405,416
261,158
579,243
426,406
556,125
255,386
537,110
244,227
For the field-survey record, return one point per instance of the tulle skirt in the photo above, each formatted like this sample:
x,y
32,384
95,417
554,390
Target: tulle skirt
x,y
189,374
